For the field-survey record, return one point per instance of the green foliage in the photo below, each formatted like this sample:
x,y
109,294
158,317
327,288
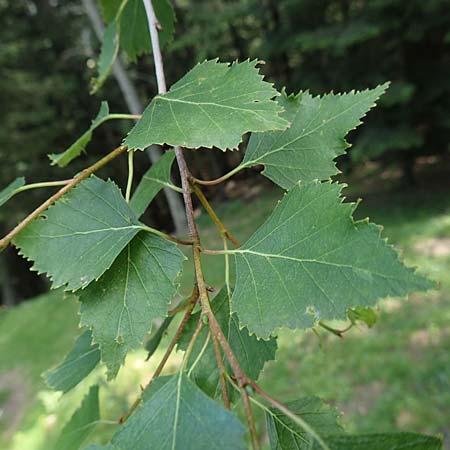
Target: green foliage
x,y
77,365
79,237
311,250
307,149
361,314
11,189
251,352
75,150
179,416
81,423
212,105
285,434
122,304
157,177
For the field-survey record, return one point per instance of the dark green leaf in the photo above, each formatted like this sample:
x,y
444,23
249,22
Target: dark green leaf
x,y
121,306
251,352
285,434
81,424
311,261
10,190
152,182
212,105
77,365
180,417
307,149
75,150
154,341
77,239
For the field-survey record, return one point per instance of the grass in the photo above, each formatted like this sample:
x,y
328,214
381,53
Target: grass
x,y
394,376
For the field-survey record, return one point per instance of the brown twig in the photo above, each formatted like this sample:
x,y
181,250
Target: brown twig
x,y
209,209
191,302
83,175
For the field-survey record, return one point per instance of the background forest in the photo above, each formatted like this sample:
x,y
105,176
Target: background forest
x,y
393,376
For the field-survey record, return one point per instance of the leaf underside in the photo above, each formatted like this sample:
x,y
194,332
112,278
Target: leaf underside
x,y
284,434
77,239
180,417
138,288
307,149
10,190
81,423
251,352
152,182
77,365
212,105
311,261
75,150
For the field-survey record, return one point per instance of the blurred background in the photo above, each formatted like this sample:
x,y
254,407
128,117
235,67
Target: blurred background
x,y
395,376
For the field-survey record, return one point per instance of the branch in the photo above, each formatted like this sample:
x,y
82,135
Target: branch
x,y
217,180
209,209
222,372
72,183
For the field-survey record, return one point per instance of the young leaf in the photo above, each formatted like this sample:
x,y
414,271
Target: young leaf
x,y
180,417
251,352
384,441
307,149
285,434
152,182
75,150
108,55
138,288
77,365
80,236
311,261
366,315
81,423
10,190
213,105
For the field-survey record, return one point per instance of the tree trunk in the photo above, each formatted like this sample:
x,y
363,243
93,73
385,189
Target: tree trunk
x,y
135,107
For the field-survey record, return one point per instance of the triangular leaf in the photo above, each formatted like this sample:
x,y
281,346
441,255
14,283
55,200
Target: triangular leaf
x,y
285,434
307,149
81,424
382,441
75,150
77,365
152,182
180,417
212,105
10,190
311,261
138,288
251,352
80,236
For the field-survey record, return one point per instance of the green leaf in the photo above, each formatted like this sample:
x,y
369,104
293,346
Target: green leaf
x,y
307,149
311,261
212,105
385,441
77,365
251,352
75,150
153,343
133,29
180,417
285,434
79,237
366,315
138,288
81,423
10,190
152,182
108,55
